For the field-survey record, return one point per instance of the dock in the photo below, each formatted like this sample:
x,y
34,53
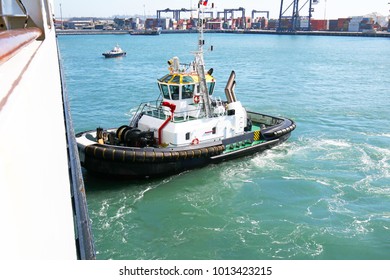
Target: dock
x,y
379,34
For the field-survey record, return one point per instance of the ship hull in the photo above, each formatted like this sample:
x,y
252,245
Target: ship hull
x,y
112,55
146,32
146,162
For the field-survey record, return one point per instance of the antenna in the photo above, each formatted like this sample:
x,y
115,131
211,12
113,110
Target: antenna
x,y
199,62
62,21
325,10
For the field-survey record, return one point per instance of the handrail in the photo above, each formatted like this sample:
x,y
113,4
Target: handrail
x,y
84,237
157,111
13,40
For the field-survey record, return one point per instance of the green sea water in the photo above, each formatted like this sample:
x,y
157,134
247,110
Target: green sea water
x,y
324,194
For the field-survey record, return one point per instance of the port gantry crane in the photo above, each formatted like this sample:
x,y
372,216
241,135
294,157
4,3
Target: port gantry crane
x,y
175,12
210,13
294,19
260,12
231,11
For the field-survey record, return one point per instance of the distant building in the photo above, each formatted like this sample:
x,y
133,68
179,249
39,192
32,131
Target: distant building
x,y
81,24
215,24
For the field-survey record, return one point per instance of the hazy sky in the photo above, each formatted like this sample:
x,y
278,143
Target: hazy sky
x,y
330,9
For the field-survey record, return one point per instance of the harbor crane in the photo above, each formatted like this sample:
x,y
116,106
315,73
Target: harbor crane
x,y
231,11
175,12
210,13
261,12
219,14
293,21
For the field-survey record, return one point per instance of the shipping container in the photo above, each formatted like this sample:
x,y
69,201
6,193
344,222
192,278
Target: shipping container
x,y
285,24
333,25
273,24
259,23
342,24
319,24
264,23
216,24
364,27
304,24
368,21
353,26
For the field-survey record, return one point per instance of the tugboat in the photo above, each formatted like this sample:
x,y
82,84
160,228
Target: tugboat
x,y
115,52
185,128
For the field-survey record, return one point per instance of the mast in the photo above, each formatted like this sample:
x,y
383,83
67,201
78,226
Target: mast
x,y
144,19
62,21
199,61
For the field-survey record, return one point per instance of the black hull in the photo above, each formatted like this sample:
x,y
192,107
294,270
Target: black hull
x,y
144,163
145,33
141,169
109,55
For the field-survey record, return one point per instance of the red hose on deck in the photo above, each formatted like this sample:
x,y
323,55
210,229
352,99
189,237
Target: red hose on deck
x,y
161,128
172,107
11,41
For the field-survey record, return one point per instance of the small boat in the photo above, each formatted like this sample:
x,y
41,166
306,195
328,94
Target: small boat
x,y
155,31
185,128
115,52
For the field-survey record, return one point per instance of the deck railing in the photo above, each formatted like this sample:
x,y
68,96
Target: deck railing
x,y
157,111
83,231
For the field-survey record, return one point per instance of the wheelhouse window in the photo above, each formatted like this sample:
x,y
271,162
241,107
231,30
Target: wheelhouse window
x,y
187,91
187,79
210,87
175,90
164,90
175,79
166,78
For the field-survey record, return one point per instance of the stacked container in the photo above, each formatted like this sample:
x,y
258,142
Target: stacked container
x,y
354,24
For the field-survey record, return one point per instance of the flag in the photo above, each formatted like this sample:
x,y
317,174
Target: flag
x,y
204,3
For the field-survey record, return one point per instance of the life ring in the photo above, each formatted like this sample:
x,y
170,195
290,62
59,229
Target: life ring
x,y
195,141
196,99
